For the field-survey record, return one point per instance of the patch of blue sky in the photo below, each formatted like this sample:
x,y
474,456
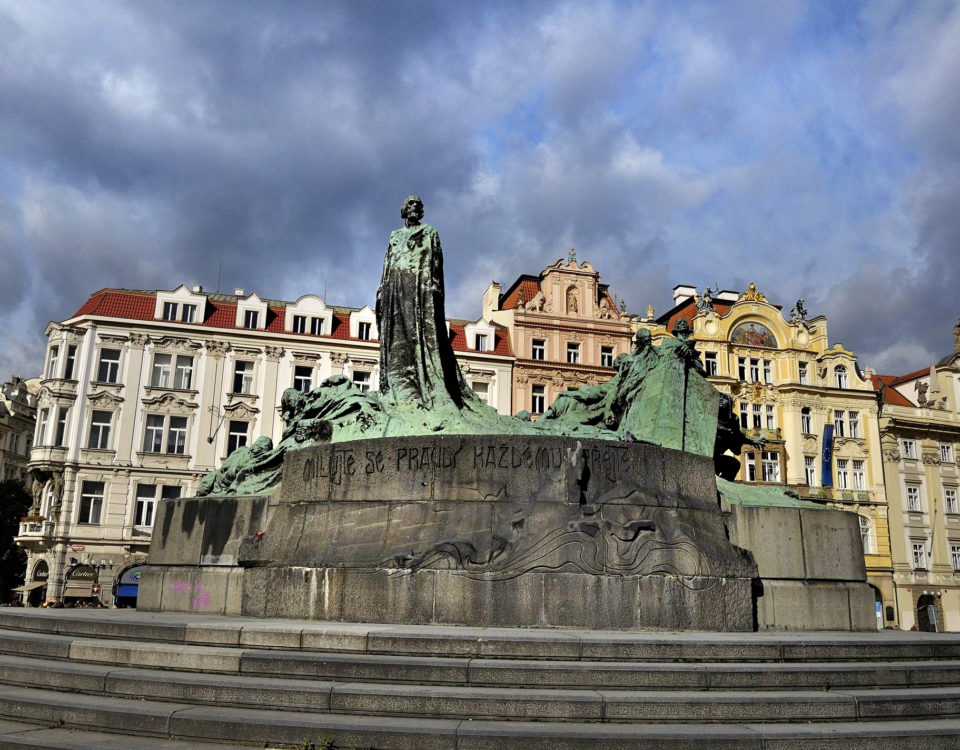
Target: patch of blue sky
x,y
523,126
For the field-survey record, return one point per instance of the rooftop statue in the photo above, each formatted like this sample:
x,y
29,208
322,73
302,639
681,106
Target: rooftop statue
x,y
659,394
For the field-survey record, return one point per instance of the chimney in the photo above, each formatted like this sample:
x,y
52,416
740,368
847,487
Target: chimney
x,y
238,292
197,288
683,292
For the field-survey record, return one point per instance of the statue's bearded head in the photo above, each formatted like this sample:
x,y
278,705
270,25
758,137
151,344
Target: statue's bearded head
x,y
412,210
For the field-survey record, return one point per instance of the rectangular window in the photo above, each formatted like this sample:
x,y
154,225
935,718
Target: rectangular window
x,y
91,502
303,378
480,342
810,466
946,453
754,370
316,326
750,460
804,376
757,416
606,356
538,349
53,361
771,418
361,379
843,476
70,363
744,417
62,413
146,504
363,331
538,399
573,353
188,314
854,417
153,434
955,556
806,422
177,435
482,390
767,371
162,370
909,448
100,430
742,369
859,476
108,369
251,318
913,498
183,376
919,556
839,423
243,377
169,492
710,363
950,500
170,311
299,323
43,420
237,435
771,466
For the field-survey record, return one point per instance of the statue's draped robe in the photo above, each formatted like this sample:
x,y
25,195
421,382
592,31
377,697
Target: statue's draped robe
x,y
417,365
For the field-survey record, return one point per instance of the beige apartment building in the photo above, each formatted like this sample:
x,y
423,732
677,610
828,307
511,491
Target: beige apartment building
x,y
565,329
18,411
806,396
920,438
144,392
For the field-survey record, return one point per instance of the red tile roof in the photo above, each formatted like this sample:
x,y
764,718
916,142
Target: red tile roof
x,y
687,311
222,313
891,396
530,287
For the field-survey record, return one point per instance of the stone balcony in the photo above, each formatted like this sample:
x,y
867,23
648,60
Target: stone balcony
x,y
36,528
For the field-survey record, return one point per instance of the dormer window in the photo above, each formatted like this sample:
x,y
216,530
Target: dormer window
x,y
188,314
363,331
480,342
181,305
251,318
170,311
299,323
840,376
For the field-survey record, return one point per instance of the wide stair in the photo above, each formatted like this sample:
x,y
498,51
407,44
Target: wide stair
x,y
159,681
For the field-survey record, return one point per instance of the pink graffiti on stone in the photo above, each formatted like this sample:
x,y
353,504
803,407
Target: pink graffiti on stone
x,y
201,598
180,587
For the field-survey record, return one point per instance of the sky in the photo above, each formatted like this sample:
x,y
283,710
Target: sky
x,y
810,147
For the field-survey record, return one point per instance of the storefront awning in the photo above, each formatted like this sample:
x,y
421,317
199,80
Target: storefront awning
x,y
30,586
78,592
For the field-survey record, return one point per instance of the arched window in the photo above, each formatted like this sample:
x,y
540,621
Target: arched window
x,y
866,535
840,376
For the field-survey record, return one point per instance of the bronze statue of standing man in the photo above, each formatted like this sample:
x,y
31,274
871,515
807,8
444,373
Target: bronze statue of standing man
x,y
417,366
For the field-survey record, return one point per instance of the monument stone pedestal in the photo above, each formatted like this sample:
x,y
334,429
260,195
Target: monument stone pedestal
x,y
469,530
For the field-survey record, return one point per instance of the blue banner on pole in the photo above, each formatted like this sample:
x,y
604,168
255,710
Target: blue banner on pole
x,y
826,467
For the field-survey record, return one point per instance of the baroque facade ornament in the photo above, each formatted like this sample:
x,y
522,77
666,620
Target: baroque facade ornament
x,y
273,352
752,294
167,403
216,348
175,344
930,459
105,399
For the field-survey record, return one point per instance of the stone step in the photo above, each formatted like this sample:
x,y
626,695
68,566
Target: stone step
x,y
521,673
18,735
476,702
490,643
163,722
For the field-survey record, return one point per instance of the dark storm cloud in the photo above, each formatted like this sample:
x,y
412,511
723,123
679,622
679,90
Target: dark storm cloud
x,y
796,145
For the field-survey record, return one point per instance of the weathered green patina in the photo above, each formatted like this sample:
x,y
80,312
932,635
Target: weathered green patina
x,y
659,394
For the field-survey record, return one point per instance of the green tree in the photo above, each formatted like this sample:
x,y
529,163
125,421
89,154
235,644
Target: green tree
x,y
14,503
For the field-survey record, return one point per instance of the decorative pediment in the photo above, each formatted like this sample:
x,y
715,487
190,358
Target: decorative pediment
x,y
106,338
273,352
176,344
240,410
245,351
168,403
304,358
104,400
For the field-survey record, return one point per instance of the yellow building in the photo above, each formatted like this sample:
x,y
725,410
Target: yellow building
x,y
920,437
809,399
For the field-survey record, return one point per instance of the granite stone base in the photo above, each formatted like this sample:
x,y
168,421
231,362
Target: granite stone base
x,y
481,530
